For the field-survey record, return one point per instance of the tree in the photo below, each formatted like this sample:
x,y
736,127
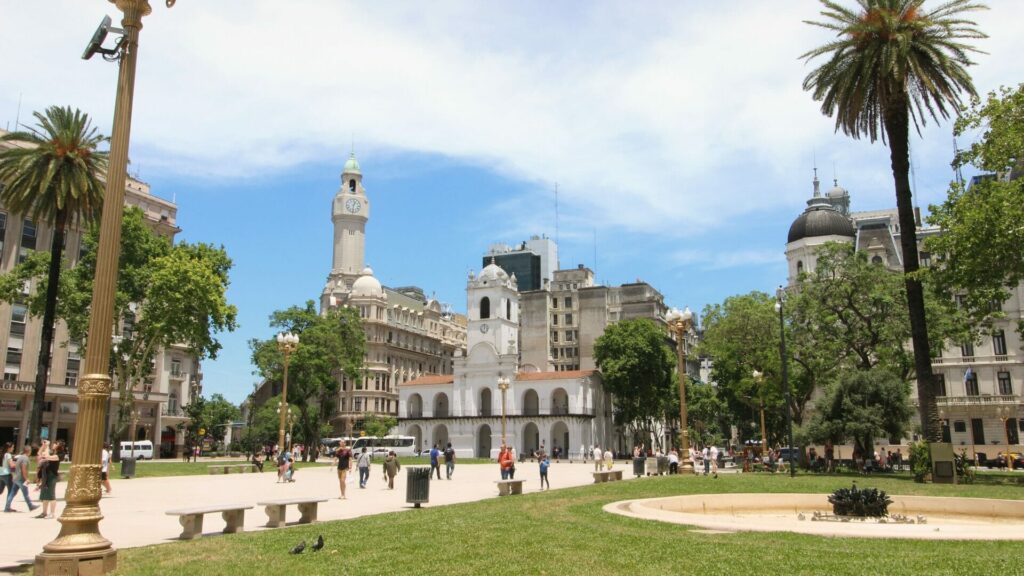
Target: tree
x,y
894,62
378,426
981,238
166,295
217,415
263,425
862,405
51,173
637,366
331,346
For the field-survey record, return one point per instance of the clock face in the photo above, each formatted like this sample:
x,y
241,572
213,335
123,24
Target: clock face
x,y
484,328
353,205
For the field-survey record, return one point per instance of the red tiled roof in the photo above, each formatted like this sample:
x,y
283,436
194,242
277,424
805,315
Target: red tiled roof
x,y
568,375
429,379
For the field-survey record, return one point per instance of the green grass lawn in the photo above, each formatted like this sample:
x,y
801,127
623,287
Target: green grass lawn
x,y
147,469
565,532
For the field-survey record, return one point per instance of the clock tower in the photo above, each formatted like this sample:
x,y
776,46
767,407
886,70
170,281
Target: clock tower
x,y
493,310
349,212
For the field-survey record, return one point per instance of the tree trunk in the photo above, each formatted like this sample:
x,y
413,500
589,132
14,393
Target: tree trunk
x,y
897,127
46,342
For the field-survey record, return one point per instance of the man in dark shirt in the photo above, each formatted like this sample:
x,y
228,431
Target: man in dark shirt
x,y
449,461
344,456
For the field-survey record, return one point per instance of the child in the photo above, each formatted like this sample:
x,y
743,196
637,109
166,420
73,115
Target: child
x,y
544,464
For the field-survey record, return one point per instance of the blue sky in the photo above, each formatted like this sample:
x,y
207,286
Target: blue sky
x,y
677,132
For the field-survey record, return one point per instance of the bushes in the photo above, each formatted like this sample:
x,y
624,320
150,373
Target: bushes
x,y
920,460
853,501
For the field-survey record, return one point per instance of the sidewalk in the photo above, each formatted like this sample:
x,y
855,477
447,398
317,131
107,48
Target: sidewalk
x,y
134,512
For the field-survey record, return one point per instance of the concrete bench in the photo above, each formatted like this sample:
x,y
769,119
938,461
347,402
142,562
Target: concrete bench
x,y
276,508
509,487
607,476
191,519
227,468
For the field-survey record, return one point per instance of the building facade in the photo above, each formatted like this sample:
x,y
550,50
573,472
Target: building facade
x,y
566,410
407,334
177,375
978,384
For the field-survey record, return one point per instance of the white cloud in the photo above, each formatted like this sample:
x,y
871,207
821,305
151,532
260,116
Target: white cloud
x,y
708,260
666,117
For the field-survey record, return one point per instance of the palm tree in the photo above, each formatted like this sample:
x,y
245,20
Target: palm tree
x,y
51,173
894,62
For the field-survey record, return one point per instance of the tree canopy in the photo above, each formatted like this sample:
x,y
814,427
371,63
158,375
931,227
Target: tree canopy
x,y
979,251
637,366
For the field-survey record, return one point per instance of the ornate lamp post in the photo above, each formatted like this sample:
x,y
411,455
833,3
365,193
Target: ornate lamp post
x,y
780,297
503,383
1005,413
80,548
287,342
759,379
680,323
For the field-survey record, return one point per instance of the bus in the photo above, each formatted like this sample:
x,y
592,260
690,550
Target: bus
x,y
402,445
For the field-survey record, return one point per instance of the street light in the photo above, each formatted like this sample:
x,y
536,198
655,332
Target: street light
x,y
80,547
503,383
759,378
780,298
291,422
680,322
1005,413
287,342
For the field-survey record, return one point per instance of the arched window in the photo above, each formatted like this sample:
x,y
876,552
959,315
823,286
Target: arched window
x,y
799,266
485,308
876,259
352,185
508,308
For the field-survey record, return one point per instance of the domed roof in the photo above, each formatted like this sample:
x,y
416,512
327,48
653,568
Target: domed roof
x,y
820,220
493,272
351,165
367,285
837,191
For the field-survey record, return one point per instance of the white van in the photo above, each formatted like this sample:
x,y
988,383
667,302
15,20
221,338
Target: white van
x,y
143,449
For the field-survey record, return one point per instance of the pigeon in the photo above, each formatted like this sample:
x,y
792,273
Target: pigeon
x,y
319,544
299,548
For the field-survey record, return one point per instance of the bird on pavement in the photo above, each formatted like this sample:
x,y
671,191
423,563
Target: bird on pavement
x,y
319,544
299,548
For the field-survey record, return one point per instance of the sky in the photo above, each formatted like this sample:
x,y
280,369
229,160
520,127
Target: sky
x,y
677,135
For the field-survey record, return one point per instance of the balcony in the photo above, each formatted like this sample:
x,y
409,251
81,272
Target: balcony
x,y
981,400
172,412
560,411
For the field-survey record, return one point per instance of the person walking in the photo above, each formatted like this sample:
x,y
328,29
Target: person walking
x,y
48,489
434,455
344,456
507,463
705,455
391,468
714,460
598,456
449,461
42,456
19,480
609,459
363,464
6,482
545,463
105,467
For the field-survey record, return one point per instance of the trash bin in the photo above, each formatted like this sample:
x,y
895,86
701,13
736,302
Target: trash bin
x,y
662,465
638,466
417,485
127,467
651,466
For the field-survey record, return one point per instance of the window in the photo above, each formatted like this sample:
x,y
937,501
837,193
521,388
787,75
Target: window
x,y
971,384
799,267
568,335
352,185
554,301
940,384
175,367
3,231
508,309
554,336
568,301
28,240
999,343
568,319
1005,386
959,426
554,319
876,259
925,260
967,350
977,431
961,301
485,308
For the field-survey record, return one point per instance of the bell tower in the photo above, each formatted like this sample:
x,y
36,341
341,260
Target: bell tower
x,y
349,212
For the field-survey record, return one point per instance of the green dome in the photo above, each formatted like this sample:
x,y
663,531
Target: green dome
x,y
352,166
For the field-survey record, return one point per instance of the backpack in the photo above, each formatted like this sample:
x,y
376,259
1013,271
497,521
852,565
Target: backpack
x,y
449,454
544,465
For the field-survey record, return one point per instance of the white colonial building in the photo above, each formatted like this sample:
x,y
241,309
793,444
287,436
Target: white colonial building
x,y
564,409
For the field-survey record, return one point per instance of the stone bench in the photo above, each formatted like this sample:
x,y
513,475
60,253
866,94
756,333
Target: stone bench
x,y
191,519
607,476
509,487
276,510
227,468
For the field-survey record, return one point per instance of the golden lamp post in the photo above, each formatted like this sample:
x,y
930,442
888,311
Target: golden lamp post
x,y
287,342
680,323
1006,412
80,548
759,378
503,383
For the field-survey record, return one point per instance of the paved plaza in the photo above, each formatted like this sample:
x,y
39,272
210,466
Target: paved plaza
x,y
134,514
